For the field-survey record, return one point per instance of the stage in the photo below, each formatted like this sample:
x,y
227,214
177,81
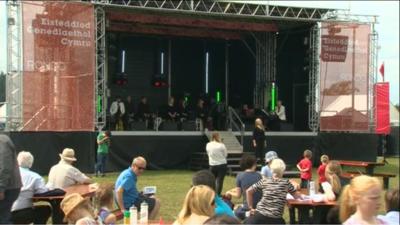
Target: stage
x,y
173,150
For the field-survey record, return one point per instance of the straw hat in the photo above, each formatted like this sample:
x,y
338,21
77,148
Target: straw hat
x,y
68,154
271,155
70,202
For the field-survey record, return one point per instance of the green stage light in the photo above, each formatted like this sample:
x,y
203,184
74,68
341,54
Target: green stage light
x,y
218,96
99,108
273,94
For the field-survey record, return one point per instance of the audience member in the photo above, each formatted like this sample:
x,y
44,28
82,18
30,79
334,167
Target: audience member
x,y
221,219
360,201
127,194
103,145
63,174
259,140
23,210
197,207
321,171
105,199
10,178
305,167
243,181
205,177
274,190
217,154
392,207
77,210
117,111
265,170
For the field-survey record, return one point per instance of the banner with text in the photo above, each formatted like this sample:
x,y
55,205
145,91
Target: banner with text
x,y
58,66
344,72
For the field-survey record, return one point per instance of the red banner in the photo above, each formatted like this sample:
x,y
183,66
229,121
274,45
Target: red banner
x,y
382,106
59,66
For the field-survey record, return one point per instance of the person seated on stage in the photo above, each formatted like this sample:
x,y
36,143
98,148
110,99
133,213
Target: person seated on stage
x,y
183,112
127,194
274,190
360,201
117,112
243,181
392,207
63,174
247,114
143,110
105,199
77,210
265,170
130,111
201,112
198,206
23,210
280,111
172,113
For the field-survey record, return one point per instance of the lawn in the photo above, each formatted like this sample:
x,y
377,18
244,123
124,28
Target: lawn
x,y
172,186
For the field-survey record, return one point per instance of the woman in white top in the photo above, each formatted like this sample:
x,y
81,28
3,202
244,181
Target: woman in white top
x,y
197,207
217,154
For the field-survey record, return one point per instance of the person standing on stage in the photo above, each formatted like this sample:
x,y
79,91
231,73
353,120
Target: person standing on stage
x,y
259,140
117,111
217,154
103,142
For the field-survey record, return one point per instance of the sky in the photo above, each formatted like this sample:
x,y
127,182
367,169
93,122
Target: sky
x,y
387,28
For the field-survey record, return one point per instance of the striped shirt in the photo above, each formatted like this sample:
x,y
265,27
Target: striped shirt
x,y
274,193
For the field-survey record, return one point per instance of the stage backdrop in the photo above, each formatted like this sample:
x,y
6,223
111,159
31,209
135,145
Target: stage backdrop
x,y
59,66
344,77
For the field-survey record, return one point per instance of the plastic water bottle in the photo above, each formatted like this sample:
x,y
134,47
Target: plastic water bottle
x,y
311,190
144,212
126,217
133,214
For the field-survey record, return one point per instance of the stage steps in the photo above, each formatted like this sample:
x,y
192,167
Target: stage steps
x,y
229,139
199,160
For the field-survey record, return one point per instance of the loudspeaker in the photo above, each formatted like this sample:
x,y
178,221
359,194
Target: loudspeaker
x,y
169,126
189,125
138,125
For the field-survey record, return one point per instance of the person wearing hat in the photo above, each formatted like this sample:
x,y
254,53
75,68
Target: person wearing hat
x,y
265,170
63,174
77,210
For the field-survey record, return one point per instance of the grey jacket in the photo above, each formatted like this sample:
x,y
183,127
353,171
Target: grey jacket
x,y
10,177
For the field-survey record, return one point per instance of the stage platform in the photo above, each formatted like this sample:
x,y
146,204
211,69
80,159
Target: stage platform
x,y
174,149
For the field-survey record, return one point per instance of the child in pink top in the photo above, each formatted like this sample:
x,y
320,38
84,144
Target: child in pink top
x,y
305,167
321,171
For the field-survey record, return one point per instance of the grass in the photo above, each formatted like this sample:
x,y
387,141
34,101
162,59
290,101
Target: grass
x,y
172,186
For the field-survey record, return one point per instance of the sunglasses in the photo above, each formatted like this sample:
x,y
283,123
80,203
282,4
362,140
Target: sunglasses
x,y
141,168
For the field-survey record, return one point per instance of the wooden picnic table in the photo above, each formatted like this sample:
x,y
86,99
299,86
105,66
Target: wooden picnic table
x,y
305,205
85,190
369,166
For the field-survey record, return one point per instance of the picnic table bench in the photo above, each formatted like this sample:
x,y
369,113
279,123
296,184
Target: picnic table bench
x,y
369,166
385,176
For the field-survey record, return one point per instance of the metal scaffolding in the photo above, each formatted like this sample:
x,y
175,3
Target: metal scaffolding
x,y
100,76
231,8
14,67
313,80
265,56
373,62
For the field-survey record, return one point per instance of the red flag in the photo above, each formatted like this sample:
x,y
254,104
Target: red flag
x,y
382,71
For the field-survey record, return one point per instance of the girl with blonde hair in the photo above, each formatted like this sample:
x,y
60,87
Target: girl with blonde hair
x,y
259,140
197,207
361,201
